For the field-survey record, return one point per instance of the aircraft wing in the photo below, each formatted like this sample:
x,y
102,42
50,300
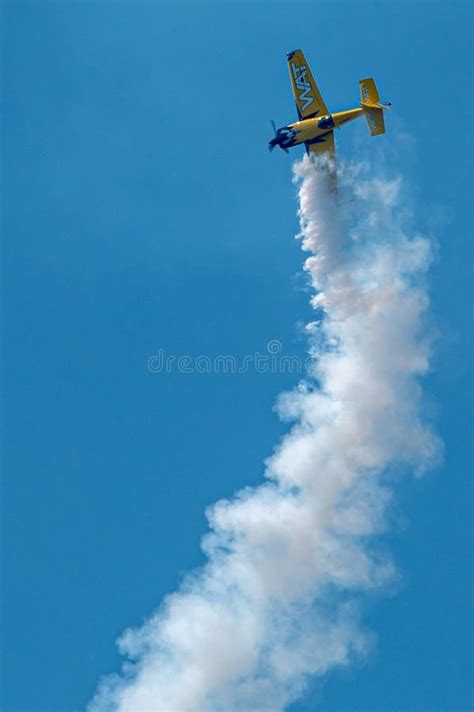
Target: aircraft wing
x,y
322,144
325,146
309,101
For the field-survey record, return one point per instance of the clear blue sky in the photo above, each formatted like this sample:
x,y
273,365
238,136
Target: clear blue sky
x,y
141,211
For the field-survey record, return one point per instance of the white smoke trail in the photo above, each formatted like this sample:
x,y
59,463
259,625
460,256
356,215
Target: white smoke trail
x,y
275,602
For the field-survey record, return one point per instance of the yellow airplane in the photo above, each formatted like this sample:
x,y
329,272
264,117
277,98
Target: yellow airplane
x,y
316,125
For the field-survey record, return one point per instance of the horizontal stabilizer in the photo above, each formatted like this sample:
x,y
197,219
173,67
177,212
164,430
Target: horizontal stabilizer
x,y
375,122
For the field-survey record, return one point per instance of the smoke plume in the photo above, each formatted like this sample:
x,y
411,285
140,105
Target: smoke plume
x,y
287,561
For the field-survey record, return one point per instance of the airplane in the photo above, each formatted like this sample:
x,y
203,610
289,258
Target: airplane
x,y
315,125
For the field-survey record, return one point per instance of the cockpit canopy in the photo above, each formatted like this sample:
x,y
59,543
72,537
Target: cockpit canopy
x,y
327,122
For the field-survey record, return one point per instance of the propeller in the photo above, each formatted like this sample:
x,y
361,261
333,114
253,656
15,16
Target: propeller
x,y
271,147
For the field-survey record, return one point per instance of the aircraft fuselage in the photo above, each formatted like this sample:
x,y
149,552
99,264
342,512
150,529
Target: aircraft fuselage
x,y
313,130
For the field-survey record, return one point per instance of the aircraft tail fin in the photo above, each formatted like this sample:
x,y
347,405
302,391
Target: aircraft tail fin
x,y
373,108
368,92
